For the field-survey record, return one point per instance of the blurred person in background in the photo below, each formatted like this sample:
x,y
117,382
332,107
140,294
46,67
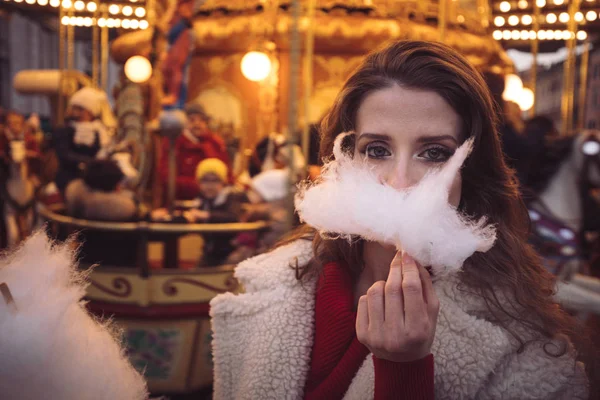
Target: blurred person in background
x,y
196,143
88,130
514,145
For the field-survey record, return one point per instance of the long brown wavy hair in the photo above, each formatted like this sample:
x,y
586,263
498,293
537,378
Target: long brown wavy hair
x,y
489,188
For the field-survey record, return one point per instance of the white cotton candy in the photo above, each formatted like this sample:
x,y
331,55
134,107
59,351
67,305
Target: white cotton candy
x,y
350,200
50,347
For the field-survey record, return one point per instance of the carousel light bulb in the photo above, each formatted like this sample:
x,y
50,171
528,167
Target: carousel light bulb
x,y
67,4
55,3
118,23
525,35
65,20
91,7
551,18
522,4
460,19
256,66
80,21
135,24
540,3
590,148
532,34
513,20
579,16
113,9
591,16
581,35
138,69
30,1
541,35
499,21
558,34
127,11
79,5
144,24
101,22
126,24
497,35
563,17
515,35
526,19
43,2
513,87
505,6
559,2
18,1
87,21
506,35
140,12
525,99
550,35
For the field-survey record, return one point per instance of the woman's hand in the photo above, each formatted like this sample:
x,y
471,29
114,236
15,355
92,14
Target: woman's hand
x,y
396,319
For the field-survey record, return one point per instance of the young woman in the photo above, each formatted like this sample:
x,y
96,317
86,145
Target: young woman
x,y
328,319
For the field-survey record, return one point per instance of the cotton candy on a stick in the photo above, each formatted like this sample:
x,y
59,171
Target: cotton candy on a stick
x,y
50,346
350,200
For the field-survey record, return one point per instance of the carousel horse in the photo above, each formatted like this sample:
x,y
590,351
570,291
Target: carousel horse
x,y
17,191
560,217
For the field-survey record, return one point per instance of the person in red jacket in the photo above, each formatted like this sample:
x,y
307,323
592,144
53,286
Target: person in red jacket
x,y
194,145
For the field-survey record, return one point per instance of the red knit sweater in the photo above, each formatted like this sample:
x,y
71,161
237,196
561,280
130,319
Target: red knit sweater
x,y
337,354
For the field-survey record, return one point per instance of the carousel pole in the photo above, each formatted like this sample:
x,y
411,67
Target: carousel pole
x,y
104,53
293,103
308,76
61,67
535,45
569,70
583,73
95,40
70,44
442,20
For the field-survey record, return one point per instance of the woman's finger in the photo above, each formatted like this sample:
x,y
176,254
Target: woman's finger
x,y
394,303
362,319
428,291
375,305
414,304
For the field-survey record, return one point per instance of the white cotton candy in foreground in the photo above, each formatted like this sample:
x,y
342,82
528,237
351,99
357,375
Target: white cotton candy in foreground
x,y
50,347
350,200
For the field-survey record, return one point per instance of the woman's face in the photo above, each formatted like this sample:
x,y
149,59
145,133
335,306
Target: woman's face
x,y
404,133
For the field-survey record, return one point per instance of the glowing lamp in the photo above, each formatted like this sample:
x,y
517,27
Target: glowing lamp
x,y
525,99
513,88
256,66
138,69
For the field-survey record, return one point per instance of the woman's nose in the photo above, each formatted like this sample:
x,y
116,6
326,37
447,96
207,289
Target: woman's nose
x,y
399,176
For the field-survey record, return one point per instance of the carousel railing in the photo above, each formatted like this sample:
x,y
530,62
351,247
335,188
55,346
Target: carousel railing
x,y
145,231
164,312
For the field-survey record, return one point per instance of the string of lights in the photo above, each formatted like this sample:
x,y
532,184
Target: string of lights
x,y
128,14
514,20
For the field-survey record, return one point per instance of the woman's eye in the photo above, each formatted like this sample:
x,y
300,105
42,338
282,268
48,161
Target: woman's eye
x,y
436,154
376,151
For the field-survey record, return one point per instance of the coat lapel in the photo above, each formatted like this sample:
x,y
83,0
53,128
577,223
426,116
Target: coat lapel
x,y
264,337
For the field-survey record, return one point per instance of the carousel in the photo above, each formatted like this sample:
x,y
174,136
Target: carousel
x,y
256,67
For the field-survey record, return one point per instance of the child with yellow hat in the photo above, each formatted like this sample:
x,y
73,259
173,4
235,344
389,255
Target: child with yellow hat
x,y
217,203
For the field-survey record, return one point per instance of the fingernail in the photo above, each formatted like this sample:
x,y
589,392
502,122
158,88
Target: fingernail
x,y
406,259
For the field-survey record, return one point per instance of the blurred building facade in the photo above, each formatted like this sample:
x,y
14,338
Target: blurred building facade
x,y
29,44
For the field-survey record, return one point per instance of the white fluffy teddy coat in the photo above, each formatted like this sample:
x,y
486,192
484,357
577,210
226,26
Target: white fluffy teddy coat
x,y
263,339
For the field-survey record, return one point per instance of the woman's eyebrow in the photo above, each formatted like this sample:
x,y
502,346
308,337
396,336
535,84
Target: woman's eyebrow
x,y
427,139
375,136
